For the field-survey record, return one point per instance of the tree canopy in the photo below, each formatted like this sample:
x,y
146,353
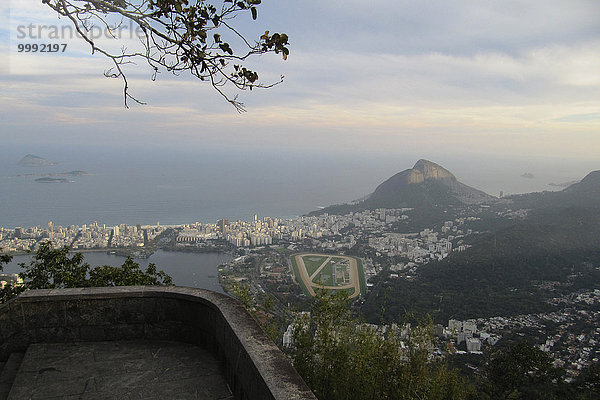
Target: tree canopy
x,y
7,290
52,268
4,259
340,358
522,371
200,37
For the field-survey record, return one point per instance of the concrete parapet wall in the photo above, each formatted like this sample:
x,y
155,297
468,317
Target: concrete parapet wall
x,y
253,365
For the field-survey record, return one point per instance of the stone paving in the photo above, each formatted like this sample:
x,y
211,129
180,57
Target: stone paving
x,y
119,370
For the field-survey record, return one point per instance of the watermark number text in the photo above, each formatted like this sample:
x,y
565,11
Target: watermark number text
x,y
42,48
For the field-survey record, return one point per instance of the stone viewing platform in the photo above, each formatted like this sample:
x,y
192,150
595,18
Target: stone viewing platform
x,y
120,370
138,342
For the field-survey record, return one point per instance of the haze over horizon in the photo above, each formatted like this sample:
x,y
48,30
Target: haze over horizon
x,y
145,185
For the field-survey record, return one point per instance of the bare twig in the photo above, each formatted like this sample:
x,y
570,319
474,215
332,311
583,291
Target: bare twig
x,y
177,36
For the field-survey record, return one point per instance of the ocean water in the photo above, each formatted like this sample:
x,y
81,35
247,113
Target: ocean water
x,y
152,186
175,186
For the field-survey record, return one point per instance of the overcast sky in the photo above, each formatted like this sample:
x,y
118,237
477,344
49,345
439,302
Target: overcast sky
x,y
423,77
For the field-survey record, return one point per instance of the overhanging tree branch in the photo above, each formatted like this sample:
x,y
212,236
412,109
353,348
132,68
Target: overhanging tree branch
x,y
178,36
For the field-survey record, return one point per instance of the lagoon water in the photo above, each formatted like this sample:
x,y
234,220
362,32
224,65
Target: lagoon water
x,y
187,269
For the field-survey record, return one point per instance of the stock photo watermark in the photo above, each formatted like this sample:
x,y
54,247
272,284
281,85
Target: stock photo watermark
x,y
44,38
68,32
37,36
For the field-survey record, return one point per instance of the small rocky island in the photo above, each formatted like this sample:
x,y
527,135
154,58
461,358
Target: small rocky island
x,y
52,180
528,175
31,160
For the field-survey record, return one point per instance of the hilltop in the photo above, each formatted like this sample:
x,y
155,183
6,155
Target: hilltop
x,y
427,187
425,183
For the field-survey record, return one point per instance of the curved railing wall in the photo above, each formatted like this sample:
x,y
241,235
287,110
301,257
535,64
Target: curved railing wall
x,y
253,366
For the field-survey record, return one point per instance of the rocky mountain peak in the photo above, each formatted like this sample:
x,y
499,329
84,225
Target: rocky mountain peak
x,y
426,186
431,170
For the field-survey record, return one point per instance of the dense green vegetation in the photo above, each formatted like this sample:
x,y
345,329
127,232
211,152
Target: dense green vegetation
x,y
260,309
521,371
4,259
428,194
498,275
340,359
432,202
57,268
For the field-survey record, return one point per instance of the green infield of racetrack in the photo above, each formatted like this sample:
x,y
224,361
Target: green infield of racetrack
x,y
312,266
361,273
327,271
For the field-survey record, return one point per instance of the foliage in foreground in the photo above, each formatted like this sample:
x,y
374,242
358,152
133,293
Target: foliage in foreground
x,y
6,291
523,372
342,359
56,268
262,311
519,372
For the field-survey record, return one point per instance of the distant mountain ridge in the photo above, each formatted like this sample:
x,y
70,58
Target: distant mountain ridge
x,y
585,193
589,185
425,185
